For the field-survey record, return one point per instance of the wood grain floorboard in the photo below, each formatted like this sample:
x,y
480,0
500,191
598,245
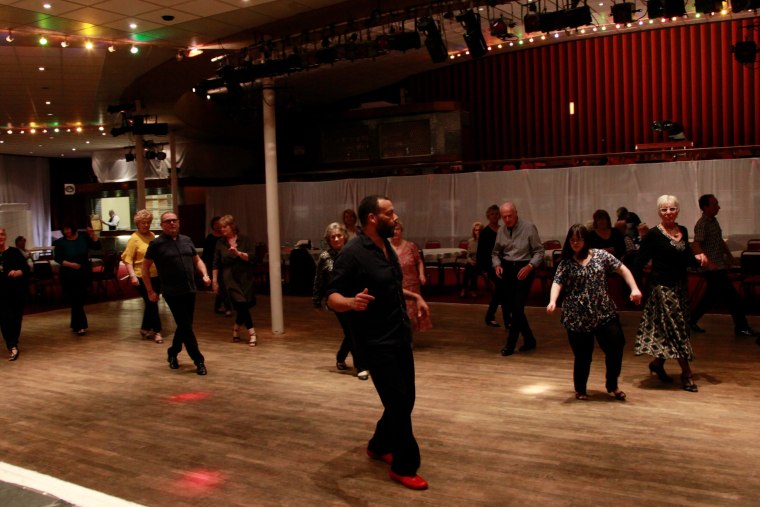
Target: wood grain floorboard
x,y
278,425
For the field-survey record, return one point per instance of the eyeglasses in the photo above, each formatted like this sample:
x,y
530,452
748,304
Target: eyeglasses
x,y
170,221
336,236
665,210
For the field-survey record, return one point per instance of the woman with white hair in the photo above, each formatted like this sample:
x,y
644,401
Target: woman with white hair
x,y
336,236
664,328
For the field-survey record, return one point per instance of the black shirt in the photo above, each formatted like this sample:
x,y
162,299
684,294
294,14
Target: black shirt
x,y
174,262
361,264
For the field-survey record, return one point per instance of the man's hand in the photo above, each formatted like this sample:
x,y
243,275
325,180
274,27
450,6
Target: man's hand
x,y
362,300
524,272
498,270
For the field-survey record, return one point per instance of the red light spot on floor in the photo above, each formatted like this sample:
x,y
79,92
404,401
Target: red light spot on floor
x,y
195,482
195,396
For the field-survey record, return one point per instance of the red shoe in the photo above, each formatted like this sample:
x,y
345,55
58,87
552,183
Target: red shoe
x,y
411,482
385,458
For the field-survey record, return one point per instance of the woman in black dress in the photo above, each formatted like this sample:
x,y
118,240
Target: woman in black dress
x,y
664,328
14,271
233,270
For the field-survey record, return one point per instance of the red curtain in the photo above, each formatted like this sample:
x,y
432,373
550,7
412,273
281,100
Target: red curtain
x,y
519,102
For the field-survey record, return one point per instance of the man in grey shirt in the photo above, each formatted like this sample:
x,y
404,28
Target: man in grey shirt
x,y
708,239
517,253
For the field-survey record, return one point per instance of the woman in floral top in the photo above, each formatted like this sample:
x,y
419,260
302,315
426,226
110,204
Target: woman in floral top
x,y
588,310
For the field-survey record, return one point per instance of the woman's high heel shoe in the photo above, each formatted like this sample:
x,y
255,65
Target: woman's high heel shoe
x,y
618,394
14,354
659,370
688,384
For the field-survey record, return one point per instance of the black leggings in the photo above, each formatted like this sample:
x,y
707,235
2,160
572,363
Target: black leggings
x,y
243,317
611,341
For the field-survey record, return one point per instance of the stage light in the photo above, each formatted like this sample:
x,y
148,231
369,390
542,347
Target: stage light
x,y
433,40
89,45
708,6
473,36
9,37
134,50
623,12
150,155
64,43
739,5
43,41
129,157
666,8
111,48
579,16
500,29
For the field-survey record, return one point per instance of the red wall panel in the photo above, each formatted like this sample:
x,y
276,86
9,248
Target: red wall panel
x,y
519,101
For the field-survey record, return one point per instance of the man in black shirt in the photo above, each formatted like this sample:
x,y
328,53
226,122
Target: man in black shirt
x,y
176,260
366,288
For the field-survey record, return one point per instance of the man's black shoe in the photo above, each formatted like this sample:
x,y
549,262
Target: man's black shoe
x,y
696,329
201,369
492,323
173,363
507,352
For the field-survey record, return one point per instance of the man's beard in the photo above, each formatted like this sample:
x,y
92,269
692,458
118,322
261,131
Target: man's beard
x,y
386,230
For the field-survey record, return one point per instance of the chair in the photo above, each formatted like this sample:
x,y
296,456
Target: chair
x,y
750,266
43,279
552,244
108,273
753,245
436,264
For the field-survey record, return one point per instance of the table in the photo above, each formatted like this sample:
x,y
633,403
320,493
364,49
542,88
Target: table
x,y
441,257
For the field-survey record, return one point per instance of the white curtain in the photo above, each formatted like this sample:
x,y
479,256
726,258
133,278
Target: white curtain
x,y
27,180
443,207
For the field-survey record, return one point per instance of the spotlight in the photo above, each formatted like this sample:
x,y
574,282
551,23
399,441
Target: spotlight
x,y
500,30
129,157
150,155
64,43
579,16
134,50
111,48
43,41
89,45
623,12
739,5
433,39
473,36
160,155
666,8
9,37
708,6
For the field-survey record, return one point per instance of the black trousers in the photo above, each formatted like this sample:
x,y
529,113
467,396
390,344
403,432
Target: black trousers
x,y
515,293
11,315
74,286
392,371
719,286
182,307
496,299
347,345
611,341
151,320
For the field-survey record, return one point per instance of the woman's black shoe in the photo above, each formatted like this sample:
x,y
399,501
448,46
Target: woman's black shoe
x,y
688,384
659,370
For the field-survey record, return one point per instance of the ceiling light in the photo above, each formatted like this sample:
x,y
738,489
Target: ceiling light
x,y
194,52
89,44
9,37
111,48
64,43
46,6
133,25
43,41
41,69
134,50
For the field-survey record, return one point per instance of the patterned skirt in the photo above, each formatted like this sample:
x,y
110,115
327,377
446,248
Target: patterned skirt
x,y
664,328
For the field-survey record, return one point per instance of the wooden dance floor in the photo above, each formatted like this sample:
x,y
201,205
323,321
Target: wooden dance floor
x,y
278,425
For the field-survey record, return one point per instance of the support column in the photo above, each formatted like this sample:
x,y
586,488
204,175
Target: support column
x,y
273,207
174,182
140,163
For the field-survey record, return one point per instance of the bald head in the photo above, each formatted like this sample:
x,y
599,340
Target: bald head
x,y
508,213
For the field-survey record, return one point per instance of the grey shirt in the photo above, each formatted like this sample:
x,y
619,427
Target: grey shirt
x,y
520,243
